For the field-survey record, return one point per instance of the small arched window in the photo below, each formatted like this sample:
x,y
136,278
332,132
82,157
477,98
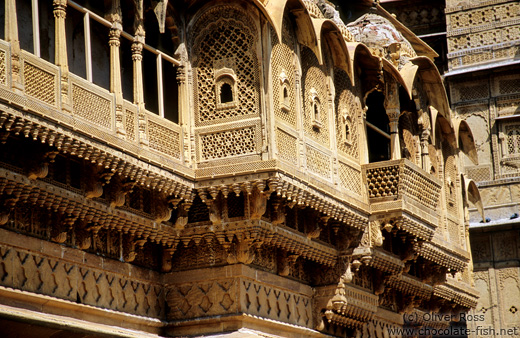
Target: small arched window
x,y
315,110
347,127
226,90
285,96
285,100
226,93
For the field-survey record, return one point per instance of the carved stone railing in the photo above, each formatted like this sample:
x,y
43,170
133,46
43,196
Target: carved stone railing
x,y
402,187
77,278
88,109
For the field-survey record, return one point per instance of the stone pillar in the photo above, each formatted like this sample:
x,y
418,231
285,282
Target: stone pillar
x,y
184,119
60,54
425,154
115,66
137,57
11,36
393,111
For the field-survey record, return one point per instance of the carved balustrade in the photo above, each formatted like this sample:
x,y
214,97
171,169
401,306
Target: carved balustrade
x,y
400,190
93,110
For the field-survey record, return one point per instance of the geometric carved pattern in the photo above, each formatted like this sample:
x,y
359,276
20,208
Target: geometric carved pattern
x,y
509,86
513,139
474,92
91,107
38,83
164,139
282,61
350,178
318,162
348,106
209,298
383,181
29,271
129,122
3,68
479,174
225,42
228,143
287,148
314,79
402,179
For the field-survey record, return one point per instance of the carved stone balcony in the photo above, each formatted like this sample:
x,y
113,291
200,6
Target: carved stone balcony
x,y
403,194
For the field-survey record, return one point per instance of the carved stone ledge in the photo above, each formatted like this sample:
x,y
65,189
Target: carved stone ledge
x,y
293,191
268,234
410,286
444,254
386,262
410,224
457,292
74,206
75,144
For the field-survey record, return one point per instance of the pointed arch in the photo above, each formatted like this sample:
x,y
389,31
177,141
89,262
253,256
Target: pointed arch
x,y
470,193
330,33
465,140
432,83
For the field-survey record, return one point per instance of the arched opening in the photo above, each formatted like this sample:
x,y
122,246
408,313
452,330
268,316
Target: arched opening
x,y
226,93
378,129
285,96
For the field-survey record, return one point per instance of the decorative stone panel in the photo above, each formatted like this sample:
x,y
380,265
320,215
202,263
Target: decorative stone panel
x,y
318,162
40,80
91,106
164,136
78,282
226,40
287,146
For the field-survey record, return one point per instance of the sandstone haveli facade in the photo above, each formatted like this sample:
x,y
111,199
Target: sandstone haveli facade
x,y
186,168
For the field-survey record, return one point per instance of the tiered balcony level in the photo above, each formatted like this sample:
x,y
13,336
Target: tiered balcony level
x,y
401,192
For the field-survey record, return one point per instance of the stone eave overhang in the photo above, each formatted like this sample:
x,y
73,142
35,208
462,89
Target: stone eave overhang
x,y
444,254
457,292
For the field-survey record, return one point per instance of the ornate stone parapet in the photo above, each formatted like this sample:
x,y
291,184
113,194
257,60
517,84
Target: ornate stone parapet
x,y
214,294
73,279
401,186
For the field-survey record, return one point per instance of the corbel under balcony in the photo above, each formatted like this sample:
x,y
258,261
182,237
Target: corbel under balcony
x,y
359,308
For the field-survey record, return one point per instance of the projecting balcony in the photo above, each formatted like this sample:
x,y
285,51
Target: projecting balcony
x,y
401,192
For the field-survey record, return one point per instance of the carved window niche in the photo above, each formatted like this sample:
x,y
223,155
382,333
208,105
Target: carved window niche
x,y
315,110
226,89
346,127
285,102
513,139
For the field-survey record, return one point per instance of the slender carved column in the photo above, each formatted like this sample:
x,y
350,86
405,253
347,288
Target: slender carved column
x,y
184,118
137,57
425,154
115,66
60,55
11,35
393,111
